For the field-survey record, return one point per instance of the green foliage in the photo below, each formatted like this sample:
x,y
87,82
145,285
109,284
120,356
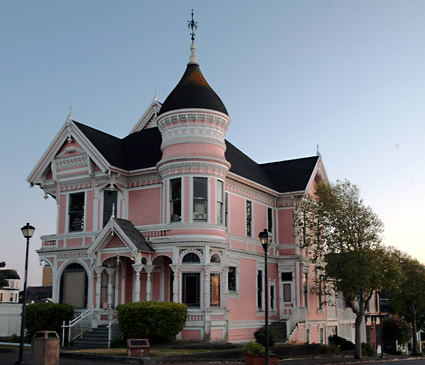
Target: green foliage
x,y
3,281
341,342
408,298
328,349
157,321
367,350
342,237
118,343
47,317
254,348
260,336
396,329
13,338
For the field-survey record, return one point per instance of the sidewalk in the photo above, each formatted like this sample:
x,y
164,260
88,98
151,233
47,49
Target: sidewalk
x,y
9,357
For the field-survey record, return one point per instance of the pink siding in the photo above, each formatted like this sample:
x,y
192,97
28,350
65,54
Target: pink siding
x,y
129,284
62,213
260,219
193,149
286,226
237,244
75,242
190,335
238,335
237,215
144,206
244,308
217,334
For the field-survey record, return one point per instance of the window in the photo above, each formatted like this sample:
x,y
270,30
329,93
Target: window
x,y
320,293
259,289
191,289
176,200
220,190
231,278
11,297
215,259
191,258
272,297
1,297
305,288
76,211
287,296
109,204
200,198
215,290
226,209
286,276
248,218
270,220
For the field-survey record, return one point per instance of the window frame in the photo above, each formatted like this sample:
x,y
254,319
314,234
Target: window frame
x,y
199,201
175,198
81,212
248,218
220,202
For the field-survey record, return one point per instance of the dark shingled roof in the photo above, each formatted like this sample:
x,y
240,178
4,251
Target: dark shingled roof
x,y
9,274
132,233
138,150
193,91
143,150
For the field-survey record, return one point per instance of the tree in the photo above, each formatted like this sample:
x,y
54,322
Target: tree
x,y
342,238
408,298
3,281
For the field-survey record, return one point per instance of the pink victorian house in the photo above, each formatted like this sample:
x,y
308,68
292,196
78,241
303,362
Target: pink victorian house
x,y
172,212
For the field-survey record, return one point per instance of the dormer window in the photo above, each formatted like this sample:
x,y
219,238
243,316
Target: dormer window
x,y
200,198
76,212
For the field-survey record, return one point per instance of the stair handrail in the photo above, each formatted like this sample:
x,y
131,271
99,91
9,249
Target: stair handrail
x,y
298,315
112,322
73,330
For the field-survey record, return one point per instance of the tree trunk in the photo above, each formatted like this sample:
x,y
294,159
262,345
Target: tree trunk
x,y
414,330
358,338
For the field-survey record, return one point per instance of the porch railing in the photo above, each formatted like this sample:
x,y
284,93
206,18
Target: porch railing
x,y
113,324
78,326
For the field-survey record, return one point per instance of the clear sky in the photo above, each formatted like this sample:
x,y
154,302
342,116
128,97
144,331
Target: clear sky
x,y
345,75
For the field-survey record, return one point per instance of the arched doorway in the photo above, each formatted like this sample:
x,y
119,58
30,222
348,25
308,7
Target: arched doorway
x,y
162,279
74,286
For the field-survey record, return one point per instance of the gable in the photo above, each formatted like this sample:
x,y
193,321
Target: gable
x,y
69,147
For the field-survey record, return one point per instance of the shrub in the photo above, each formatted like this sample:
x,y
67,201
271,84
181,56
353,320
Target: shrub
x,y
328,349
118,343
157,321
341,342
260,336
47,317
367,350
396,329
13,338
254,348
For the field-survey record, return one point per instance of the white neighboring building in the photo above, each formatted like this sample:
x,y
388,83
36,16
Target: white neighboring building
x,y
10,292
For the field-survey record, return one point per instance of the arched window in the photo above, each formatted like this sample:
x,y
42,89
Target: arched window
x,y
191,258
215,259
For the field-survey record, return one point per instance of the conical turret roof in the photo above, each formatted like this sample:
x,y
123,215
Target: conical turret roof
x,y
193,91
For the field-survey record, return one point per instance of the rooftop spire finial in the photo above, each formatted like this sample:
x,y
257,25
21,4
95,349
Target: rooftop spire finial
x,y
192,25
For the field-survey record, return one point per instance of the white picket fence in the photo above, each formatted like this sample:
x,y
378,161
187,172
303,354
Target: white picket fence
x,y
10,319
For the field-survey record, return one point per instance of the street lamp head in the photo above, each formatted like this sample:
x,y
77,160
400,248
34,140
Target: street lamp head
x,y
28,230
265,239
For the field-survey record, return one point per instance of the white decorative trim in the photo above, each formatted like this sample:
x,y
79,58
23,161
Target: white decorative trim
x,y
219,168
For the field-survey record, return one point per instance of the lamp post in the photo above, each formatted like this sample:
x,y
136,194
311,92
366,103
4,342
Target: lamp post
x,y
266,239
381,337
27,231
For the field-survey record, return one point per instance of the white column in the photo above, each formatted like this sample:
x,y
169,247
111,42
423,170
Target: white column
x,y
174,268
111,273
148,269
99,270
225,290
136,295
207,285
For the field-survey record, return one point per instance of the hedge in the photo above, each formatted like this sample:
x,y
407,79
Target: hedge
x,y
157,321
47,317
